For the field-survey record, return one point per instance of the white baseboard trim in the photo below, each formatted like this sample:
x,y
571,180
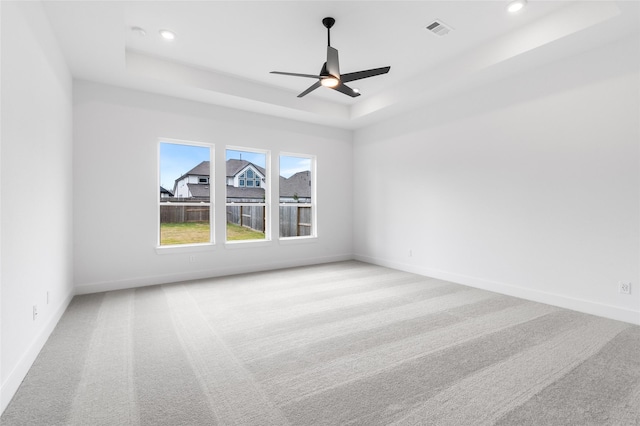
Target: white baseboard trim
x,y
17,375
580,305
202,274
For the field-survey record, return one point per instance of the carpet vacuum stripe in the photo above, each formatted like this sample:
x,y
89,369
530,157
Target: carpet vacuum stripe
x,y
232,393
301,359
259,318
259,348
107,376
348,281
515,380
287,388
603,390
343,344
167,388
65,351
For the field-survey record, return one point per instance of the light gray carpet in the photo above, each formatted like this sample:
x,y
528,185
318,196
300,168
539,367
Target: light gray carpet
x,y
339,344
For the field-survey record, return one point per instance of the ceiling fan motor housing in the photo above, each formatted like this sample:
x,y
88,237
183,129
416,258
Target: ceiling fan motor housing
x,y
328,22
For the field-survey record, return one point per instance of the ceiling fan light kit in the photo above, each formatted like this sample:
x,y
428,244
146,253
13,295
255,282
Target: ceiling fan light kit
x,y
330,76
516,5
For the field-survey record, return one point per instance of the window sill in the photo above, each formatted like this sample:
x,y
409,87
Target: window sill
x,y
185,248
246,244
298,240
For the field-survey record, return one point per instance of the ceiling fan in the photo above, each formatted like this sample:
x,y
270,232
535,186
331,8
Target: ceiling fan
x,y
330,73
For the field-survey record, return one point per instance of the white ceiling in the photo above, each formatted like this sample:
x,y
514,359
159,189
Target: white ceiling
x,y
224,50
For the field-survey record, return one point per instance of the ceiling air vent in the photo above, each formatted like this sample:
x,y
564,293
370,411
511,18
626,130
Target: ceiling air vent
x,y
439,28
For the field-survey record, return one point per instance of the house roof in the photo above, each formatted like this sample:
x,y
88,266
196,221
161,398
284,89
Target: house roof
x,y
165,191
235,192
298,184
200,190
235,166
201,169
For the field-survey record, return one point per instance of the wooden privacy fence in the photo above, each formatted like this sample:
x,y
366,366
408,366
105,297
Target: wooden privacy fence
x,y
182,214
249,216
294,220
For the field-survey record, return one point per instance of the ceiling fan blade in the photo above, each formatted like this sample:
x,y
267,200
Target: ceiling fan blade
x,y
363,74
333,65
313,87
295,74
343,88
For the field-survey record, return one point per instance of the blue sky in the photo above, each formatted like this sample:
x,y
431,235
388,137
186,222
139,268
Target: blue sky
x,y
292,165
177,159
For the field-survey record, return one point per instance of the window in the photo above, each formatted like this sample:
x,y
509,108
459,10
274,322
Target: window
x,y
297,196
246,206
185,193
249,177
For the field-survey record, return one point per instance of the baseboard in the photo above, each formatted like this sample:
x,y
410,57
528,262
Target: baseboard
x,y
580,305
17,375
98,287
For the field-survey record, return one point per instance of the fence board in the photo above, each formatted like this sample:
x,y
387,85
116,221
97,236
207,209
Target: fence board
x,y
294,221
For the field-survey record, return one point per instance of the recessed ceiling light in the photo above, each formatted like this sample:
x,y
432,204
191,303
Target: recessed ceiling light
x,y
138,31
516,5
167,35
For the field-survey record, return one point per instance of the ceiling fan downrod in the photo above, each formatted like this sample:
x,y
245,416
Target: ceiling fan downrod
x,y
328,23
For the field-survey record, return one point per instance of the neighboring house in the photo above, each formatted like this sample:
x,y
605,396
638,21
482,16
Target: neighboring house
x,y
296,188
244,174
165,193
245,183
194,183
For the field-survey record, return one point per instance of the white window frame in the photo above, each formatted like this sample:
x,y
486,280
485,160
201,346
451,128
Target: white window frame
x,y
312,204
267,197
167,248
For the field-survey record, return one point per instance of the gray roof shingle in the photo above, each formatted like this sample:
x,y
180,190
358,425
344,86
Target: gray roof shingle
x,y
298,184
235,166
200,190
201,169
234,192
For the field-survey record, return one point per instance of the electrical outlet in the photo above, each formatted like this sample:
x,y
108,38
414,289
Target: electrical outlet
x,y
35,312
624,287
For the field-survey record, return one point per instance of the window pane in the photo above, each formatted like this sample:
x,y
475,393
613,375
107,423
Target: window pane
x,y
184,177
245,219
296,191
295,221
184,225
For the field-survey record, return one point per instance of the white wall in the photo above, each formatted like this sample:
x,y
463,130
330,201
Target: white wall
x,y
528,187
116,135
36,213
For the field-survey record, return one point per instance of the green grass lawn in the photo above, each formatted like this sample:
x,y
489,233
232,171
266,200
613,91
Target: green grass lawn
x,y
184,233
195,232
237,232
